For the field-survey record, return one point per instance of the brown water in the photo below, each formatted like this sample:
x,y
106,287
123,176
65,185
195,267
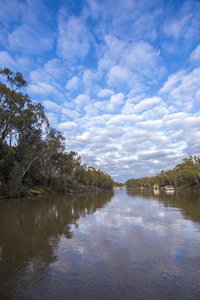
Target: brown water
x,y
120,245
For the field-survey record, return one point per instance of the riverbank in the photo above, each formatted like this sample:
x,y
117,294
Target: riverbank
x,y
71,190
189,187
182,188
39,191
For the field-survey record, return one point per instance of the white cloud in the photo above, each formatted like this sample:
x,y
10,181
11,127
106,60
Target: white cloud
x,y
185,23
73,83
184,94
85,137
52,106
176,27
24,37
195,55
146,104
68,126
115,49
115,102
143,58
54,68
42,88
127,64
82,100
73,39
47,81
128,121
150,124
7,61
182,120
90,78
90,110
27,39
119,76
105,93
70,113
173,81
53,118
182,90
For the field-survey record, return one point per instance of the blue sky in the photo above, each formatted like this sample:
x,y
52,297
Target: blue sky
x,y
119,78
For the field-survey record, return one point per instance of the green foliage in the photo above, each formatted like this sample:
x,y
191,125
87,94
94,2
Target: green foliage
x,y
17,113
15,186
32,153
185,173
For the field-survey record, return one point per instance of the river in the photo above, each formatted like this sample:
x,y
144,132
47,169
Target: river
x,y
114,245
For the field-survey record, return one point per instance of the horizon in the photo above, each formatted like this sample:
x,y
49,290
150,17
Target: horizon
x,y
120,79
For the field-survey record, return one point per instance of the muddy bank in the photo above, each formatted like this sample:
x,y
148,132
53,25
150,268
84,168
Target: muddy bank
x,y
38,191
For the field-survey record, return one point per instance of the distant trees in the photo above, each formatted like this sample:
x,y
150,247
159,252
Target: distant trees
x,y
185,173
32,153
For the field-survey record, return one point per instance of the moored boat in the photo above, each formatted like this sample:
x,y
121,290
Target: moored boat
x,y
169,188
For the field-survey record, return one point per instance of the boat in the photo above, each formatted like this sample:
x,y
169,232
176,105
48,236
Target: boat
x,y
169,188
155,187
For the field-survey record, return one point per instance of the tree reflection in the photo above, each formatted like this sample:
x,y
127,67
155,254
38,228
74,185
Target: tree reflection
x,y
30,231
187,202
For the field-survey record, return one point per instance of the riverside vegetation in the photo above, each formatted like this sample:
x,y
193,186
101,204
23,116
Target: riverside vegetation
x,y
33,158
185,175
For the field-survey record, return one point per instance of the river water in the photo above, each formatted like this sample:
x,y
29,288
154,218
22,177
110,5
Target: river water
x,y
114,245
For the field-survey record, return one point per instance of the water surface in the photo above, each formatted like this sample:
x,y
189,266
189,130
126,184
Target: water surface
x,y
121,245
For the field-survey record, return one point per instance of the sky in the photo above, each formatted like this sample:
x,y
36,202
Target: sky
x,y
119,78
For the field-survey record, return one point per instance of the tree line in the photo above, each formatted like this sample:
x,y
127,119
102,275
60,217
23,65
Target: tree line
x,y
187,173
32,153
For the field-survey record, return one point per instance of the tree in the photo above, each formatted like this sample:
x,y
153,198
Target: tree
x,y
17,112
21,127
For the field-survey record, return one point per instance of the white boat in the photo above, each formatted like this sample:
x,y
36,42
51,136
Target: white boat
x,y
155,187
169,188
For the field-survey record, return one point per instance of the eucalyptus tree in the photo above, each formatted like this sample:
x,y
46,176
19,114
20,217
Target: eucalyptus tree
x,y
21,125
17,113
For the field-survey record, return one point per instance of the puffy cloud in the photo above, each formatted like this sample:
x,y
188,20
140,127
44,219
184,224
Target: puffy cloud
x,y
182,90
53,118
52,106
127,64
105,93
120,76
54,68
82,100
74,38
7,60
115,102
68,126
143,58
31,20
70,113
73,83
42,88
126,19
172,82
90,110
146,104
27,39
